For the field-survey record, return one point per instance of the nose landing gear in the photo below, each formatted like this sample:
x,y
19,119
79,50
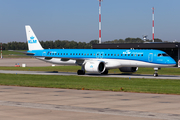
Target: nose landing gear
x,y
156,72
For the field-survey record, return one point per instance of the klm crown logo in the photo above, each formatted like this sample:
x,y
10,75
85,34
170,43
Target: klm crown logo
x,y
31,41
31,37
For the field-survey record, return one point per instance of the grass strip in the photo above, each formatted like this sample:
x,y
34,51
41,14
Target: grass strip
x,y
93,83
49,68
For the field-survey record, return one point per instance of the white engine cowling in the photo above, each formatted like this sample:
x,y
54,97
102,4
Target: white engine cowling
x,y
128,69
95,66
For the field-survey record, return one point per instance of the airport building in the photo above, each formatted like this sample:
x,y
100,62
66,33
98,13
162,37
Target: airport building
x,y
172,49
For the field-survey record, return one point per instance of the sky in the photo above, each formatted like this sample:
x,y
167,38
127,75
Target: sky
x,y
78,20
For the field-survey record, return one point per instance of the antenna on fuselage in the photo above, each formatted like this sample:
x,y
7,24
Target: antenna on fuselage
x,y
145,37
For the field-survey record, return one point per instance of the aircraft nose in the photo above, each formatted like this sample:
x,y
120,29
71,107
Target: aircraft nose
x,y
171,62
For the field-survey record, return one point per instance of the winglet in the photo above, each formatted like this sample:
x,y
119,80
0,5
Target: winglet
x,y
33,42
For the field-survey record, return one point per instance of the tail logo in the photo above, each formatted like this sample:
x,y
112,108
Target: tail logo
x,y
32,40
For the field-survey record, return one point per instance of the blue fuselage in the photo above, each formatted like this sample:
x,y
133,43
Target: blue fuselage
x,y
133,57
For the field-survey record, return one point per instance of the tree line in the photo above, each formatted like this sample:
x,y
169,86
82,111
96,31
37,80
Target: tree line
x,y
60,44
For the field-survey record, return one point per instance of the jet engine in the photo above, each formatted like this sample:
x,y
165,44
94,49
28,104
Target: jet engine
x,y
128,69
94,66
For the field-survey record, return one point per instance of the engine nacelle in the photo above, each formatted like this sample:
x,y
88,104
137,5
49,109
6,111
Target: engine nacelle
x,y
128,69
95,66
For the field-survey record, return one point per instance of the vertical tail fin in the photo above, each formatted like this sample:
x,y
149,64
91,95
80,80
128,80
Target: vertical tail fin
x,y
33,42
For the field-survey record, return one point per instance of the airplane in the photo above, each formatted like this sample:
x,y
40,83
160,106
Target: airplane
x,y
99,61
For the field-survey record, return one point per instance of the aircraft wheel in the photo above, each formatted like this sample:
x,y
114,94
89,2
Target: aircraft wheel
x,y
80,72
155,74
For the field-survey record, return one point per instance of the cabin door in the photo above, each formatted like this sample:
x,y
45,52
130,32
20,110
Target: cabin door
x,y
44,54
150,57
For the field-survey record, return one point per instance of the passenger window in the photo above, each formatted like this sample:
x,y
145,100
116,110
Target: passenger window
x,y
131,54
141,54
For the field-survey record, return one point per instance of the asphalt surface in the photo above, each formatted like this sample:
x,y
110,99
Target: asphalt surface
x,y
27,103
92,75
30,62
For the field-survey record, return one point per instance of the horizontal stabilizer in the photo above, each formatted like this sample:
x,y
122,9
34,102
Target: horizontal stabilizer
x,y
24,52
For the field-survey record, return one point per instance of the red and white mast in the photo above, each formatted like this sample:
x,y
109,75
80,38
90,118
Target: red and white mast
x,y
100,21
153,24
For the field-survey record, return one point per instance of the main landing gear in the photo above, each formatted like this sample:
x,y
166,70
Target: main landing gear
x,y
81,72
156,72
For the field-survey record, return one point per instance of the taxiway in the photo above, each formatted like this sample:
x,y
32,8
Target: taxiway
x,y
19,103
172,77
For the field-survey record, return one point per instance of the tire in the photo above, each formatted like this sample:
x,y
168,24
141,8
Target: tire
x,y
155,74
80,72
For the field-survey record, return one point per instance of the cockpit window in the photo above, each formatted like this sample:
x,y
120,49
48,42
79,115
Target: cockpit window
x,y
165,54
162,55
159,55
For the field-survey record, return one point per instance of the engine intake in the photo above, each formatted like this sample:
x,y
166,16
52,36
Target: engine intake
x,y
95,66
128,69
